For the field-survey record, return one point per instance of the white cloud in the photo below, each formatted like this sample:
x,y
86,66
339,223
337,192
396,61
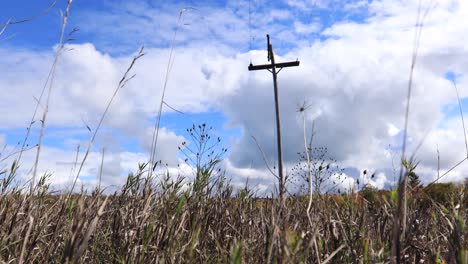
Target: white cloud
x,y
280,14
60,164
306,29
167,145
354,82
348,184
297,4
392,130
358,81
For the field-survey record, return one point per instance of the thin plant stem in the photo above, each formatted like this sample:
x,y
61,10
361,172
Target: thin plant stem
x,y
461,115
170,63
400,213
10,21
49,92
120,85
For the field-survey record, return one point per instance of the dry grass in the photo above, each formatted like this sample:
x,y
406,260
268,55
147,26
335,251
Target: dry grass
x,y
158,221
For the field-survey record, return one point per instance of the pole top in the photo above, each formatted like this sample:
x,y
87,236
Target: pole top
x,y
268,46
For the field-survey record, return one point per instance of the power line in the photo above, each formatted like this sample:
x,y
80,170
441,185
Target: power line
x,y
250,30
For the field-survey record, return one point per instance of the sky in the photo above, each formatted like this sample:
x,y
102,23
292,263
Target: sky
x,y
355,60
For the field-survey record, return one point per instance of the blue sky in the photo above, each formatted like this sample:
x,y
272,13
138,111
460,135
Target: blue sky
x,y
355,59
42,34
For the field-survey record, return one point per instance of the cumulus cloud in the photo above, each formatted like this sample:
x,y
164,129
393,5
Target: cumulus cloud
x,y
357,80
353,80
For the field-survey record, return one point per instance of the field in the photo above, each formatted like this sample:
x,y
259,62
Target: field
x,y
158,222
159,216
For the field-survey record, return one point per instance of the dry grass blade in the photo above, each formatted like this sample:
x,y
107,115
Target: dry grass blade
x,y
26,239
89,231
333,254
100,170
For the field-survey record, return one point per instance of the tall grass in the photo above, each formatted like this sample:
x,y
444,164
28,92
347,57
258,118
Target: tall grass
x,y
159,221
48,89
173,219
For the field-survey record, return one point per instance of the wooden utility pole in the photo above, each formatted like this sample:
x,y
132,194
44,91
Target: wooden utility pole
x,y
273,69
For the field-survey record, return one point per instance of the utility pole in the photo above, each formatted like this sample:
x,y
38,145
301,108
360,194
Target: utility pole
x,y
273,69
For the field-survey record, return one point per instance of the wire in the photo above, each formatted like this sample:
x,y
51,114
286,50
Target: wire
x,y
178,111
250,31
